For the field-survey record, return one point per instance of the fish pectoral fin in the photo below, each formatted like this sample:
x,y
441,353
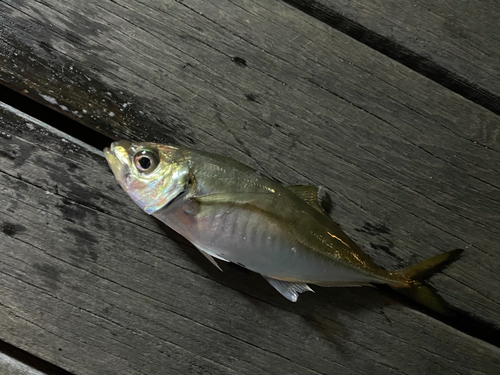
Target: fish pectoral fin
x,y
344,284
309,194
234,198
262,202
289,289
211,259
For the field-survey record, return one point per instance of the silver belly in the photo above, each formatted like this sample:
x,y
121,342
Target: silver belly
x,y
251,240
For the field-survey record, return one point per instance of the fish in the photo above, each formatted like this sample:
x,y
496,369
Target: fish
x,y
232,213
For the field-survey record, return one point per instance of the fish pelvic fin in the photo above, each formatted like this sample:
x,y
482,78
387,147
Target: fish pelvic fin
x,y
211,260
413,284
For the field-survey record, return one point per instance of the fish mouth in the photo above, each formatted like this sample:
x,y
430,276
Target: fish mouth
x,y
111,158
118,167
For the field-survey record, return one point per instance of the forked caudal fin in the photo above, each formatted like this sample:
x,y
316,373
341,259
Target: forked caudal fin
x,y
418,290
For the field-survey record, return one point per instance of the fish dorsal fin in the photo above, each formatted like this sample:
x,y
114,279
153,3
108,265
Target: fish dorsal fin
x,y
289,289
308,194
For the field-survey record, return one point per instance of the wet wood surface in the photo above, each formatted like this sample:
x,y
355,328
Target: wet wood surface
x,y
411,169
454,42
92,284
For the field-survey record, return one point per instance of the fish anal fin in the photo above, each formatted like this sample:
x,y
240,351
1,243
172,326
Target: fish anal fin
x,y
309,194
289,290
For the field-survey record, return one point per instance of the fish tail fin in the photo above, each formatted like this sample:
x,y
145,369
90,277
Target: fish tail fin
x,y
414,286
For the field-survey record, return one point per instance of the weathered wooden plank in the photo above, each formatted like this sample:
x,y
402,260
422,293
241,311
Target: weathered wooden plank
x,y
411,167
455,43
14,361
8,365
91,284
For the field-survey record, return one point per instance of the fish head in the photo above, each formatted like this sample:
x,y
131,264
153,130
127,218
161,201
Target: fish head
x,y
151,174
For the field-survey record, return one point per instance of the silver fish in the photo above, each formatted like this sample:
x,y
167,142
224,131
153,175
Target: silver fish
x,y
232,213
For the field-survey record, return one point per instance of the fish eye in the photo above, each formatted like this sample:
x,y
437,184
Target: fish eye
x,y
146,161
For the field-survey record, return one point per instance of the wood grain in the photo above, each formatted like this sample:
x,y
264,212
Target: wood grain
x,y
454,43
411,167
94,285
13,367
14,361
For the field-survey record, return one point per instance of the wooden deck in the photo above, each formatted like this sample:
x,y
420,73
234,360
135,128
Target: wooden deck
x,y
397,116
